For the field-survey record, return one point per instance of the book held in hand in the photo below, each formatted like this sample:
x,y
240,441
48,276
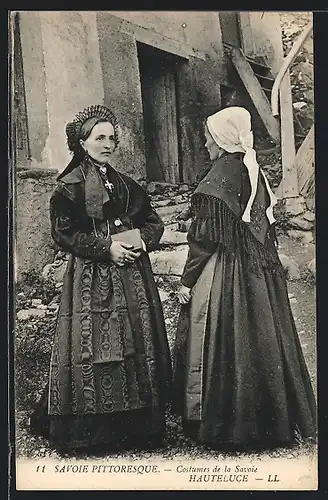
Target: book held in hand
x,y
131,237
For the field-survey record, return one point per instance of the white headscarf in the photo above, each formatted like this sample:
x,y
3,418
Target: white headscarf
x,y
231,129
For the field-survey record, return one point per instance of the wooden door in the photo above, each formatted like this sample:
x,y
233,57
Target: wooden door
x,y
158,87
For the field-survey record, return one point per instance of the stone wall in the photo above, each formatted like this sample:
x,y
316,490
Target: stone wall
x,y
185,33
122,93
34,247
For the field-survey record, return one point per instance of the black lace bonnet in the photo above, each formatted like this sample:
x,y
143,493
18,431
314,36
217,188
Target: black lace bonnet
x,y
73,129
73,132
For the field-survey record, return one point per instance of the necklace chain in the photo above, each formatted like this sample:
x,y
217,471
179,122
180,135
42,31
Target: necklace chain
x,y
95,230
103,171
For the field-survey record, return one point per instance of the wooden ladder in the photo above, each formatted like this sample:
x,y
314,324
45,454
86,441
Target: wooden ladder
x,y
258,81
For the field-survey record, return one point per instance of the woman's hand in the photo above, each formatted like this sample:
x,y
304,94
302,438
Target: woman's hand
x,y
121,253
184,294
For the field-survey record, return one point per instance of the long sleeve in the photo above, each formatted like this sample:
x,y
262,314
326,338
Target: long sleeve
x,y
69,236
145,217
152,229
203,238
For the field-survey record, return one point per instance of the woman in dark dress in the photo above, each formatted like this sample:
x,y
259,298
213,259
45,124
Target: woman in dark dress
x,y
110,371
240,378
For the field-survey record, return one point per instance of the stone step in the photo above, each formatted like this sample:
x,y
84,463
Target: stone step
x,y
155,187
309,216
27,314
173,238
169,212
161,203
305,237
173,227
295,206
300,223
169,262
170,201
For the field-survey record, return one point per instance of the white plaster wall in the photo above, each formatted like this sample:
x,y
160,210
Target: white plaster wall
x,y
73,74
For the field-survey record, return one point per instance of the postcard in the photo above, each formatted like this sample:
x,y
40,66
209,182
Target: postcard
x,y
189,361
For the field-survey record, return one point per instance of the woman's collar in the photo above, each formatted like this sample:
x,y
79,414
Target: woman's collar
x,y
224,153
96,194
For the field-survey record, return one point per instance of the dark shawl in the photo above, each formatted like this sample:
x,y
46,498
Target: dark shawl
x,y
217,206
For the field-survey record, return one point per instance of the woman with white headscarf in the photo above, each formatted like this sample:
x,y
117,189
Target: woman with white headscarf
x,y
240,377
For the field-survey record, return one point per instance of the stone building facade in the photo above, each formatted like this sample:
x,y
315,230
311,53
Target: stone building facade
x,y
162,73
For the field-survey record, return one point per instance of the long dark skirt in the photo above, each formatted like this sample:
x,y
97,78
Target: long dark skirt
x,y
240,377
110,372
144,427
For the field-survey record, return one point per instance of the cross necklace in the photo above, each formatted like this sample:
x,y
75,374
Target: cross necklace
x,y
108,185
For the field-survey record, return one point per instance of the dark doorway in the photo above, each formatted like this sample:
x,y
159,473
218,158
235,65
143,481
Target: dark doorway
x,y
230,28
159,89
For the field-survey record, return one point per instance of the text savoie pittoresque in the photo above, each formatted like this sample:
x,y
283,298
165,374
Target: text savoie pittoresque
x,y
221,473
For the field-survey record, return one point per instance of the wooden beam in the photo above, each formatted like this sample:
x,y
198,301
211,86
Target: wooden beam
x,y
256,93
285,66
246,33
288,153
305,165
159,41
268,152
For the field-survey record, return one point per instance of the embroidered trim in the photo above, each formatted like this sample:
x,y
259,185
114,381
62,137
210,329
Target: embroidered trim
x,y
222,183
228,231
258,215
